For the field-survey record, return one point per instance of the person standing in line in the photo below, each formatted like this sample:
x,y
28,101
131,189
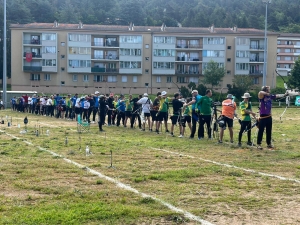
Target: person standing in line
x,y
162,111
103,106
154,111
86,106
246,111
195,112
176,117
121,110
128,109
68,107
146,104
110,103
136,111
228,113
205,113
186,118
265,115
96,106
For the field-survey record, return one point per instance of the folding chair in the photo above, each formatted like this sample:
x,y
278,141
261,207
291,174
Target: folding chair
x,y
82,126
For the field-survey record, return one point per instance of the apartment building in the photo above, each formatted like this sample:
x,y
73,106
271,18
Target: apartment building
x,y
82,58
288,51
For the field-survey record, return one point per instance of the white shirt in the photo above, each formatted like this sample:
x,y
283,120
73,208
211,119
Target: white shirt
x,y
145,101
43,101
86,104
49,101
77,104
29,100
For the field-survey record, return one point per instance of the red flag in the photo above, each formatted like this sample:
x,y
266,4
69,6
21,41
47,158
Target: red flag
x,y
28,56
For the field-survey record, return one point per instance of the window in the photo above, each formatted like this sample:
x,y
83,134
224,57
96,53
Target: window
x,y
242,66
214,41
111,79
146,71
75,77
35,77
228,72
169,79
194,79
62,83
256,80
158,79
164,52
47,77
163,65
278,65
146,45
79,63
228,47
242,54
80,37
79,50
288,58
49,62
287,50
228,59
130,39
278,50
85,78
131,52
278,57
124,79
164,40
243,41
130,65
181,80
48,37
49,49
62,69
98,78
213,53
134,79
63,44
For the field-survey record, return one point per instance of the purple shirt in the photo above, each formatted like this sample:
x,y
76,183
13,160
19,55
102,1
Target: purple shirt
x,y
266,104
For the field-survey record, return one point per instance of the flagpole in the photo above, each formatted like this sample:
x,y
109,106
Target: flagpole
x,y
4,96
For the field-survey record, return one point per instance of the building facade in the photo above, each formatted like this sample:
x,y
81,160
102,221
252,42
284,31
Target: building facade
x,y
81,58
288,51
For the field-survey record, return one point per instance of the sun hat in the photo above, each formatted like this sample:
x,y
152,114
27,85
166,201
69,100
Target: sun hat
x,y
163,93
246,95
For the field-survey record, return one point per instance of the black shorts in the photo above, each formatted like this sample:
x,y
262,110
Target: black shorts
x,y
77,110
166,117
227,121
161,116
146,114
153,115
175,119
128,113
185,119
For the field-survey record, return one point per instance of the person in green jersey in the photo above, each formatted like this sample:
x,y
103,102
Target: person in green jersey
x,y
205,113
186,118
246,111
128,109
163,109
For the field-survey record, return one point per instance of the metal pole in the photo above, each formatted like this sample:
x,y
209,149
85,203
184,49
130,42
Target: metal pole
x,y
265,47
4,97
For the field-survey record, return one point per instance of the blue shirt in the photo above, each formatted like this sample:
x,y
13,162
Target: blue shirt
x,y
96,100
13,101
197,98
73,100
34,100
122,106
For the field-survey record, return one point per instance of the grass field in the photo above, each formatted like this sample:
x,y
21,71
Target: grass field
x,y
155,179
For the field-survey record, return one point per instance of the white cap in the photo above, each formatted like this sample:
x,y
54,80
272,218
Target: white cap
x,y
194,91
163,93
96,92
145,94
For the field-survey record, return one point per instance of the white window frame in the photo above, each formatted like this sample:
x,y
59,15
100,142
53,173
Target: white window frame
x,y
158,79
75,77
124,79
47,76
134,79
85,78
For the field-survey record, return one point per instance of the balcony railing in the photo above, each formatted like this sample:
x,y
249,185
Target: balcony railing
x,y
32,68
185,59
110,57
257,60
104,70
187,72
189,46
106,44
32,42
257,47
34,55
256,72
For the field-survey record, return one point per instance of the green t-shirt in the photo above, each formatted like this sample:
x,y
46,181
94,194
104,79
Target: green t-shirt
x,y
187,111
245,106
205,105
128,105
163,105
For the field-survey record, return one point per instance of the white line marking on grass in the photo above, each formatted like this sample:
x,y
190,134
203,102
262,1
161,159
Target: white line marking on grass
x,y
229,166
124,186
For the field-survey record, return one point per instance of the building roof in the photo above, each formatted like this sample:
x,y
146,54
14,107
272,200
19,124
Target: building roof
x,y
132,28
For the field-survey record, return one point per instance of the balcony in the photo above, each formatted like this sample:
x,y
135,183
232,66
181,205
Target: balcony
x,y
104,70
257,60
256,72
189,46
106,44
190,59
109,57
32,42
188,72
32,68
34,55
257,47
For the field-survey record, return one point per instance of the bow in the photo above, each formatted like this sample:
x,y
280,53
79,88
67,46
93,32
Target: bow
x,y
288,94
177,86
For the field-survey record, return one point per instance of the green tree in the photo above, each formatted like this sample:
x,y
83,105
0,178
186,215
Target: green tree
x,y
213,74
294,79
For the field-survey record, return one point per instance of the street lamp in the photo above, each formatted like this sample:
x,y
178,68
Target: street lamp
x,y
266,44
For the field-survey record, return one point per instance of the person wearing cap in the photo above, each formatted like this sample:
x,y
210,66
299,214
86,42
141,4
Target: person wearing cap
x,y
195,112
96,105
121,110
146,104
205,113
228,113
246,111
136,111
265,115
162,111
